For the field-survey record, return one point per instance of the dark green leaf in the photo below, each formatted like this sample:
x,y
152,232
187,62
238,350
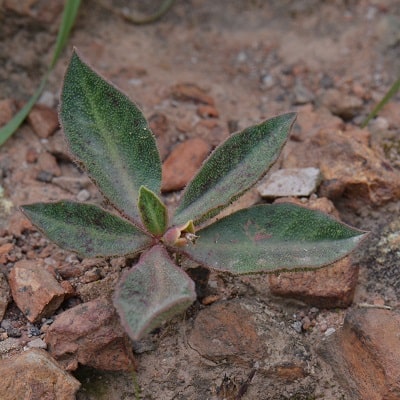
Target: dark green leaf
x,y
153,212
109,137
87,229
154,290
269,238
233,168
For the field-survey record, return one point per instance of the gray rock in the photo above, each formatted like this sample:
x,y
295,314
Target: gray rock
x,y
297,182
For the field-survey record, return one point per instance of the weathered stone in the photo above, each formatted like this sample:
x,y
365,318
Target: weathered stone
x,y
43,120
365,354
182,164
90,334
329,287
226,331
7,110
5,296
48,163
35,290
5,250
361,175
191,92
290,182
72,184
34,375
344,105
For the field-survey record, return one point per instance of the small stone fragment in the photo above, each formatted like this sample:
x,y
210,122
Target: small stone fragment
x,y
33,374
5,295
344,105
72,184
83,195
90,334
43,120
7,110
35,290
226,331
191,92
37,344
182,164
297,182
48,163
365,354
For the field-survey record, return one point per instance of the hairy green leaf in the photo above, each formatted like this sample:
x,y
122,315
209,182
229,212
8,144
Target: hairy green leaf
x,y
269,238
153,212
154,290
234,167
109,137
87,229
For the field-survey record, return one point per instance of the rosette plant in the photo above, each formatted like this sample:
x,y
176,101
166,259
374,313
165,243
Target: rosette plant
x,y
110,140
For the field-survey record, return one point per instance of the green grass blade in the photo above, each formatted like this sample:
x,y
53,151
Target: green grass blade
x,y
68,19
390,93
7,130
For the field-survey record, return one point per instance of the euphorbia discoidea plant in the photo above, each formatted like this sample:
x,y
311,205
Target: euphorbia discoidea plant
x,y
110,140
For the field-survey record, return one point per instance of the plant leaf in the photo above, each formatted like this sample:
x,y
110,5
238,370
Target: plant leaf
x,y
153,212
87,229
233,168
270,238
109,137
154,290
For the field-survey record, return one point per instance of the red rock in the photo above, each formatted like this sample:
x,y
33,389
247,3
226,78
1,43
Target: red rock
x,y
329,287
5,296
391,113
90,334
48,163
361,175
191,92
226,331
365,354
7,110
34,375
5,249
182,164
31,155
43,120
35,291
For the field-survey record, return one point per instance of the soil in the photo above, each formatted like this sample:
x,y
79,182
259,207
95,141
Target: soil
x,y
255,59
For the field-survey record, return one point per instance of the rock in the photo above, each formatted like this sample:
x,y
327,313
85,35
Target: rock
x,y
43,120
7,110
344,105
290,182
72,184
57,146
5,250
159,124
226,331
35,290
48,163
34,375
5,295
328,287
391,113
360,174
365,354
302,95
37,344
90,334
191,92
182,164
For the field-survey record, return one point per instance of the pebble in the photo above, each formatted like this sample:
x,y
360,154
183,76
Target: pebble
x,y
43,120
36,344
83,195
296,182
329,332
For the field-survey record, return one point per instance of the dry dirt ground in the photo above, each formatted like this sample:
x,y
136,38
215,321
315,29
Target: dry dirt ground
x,y
255,59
